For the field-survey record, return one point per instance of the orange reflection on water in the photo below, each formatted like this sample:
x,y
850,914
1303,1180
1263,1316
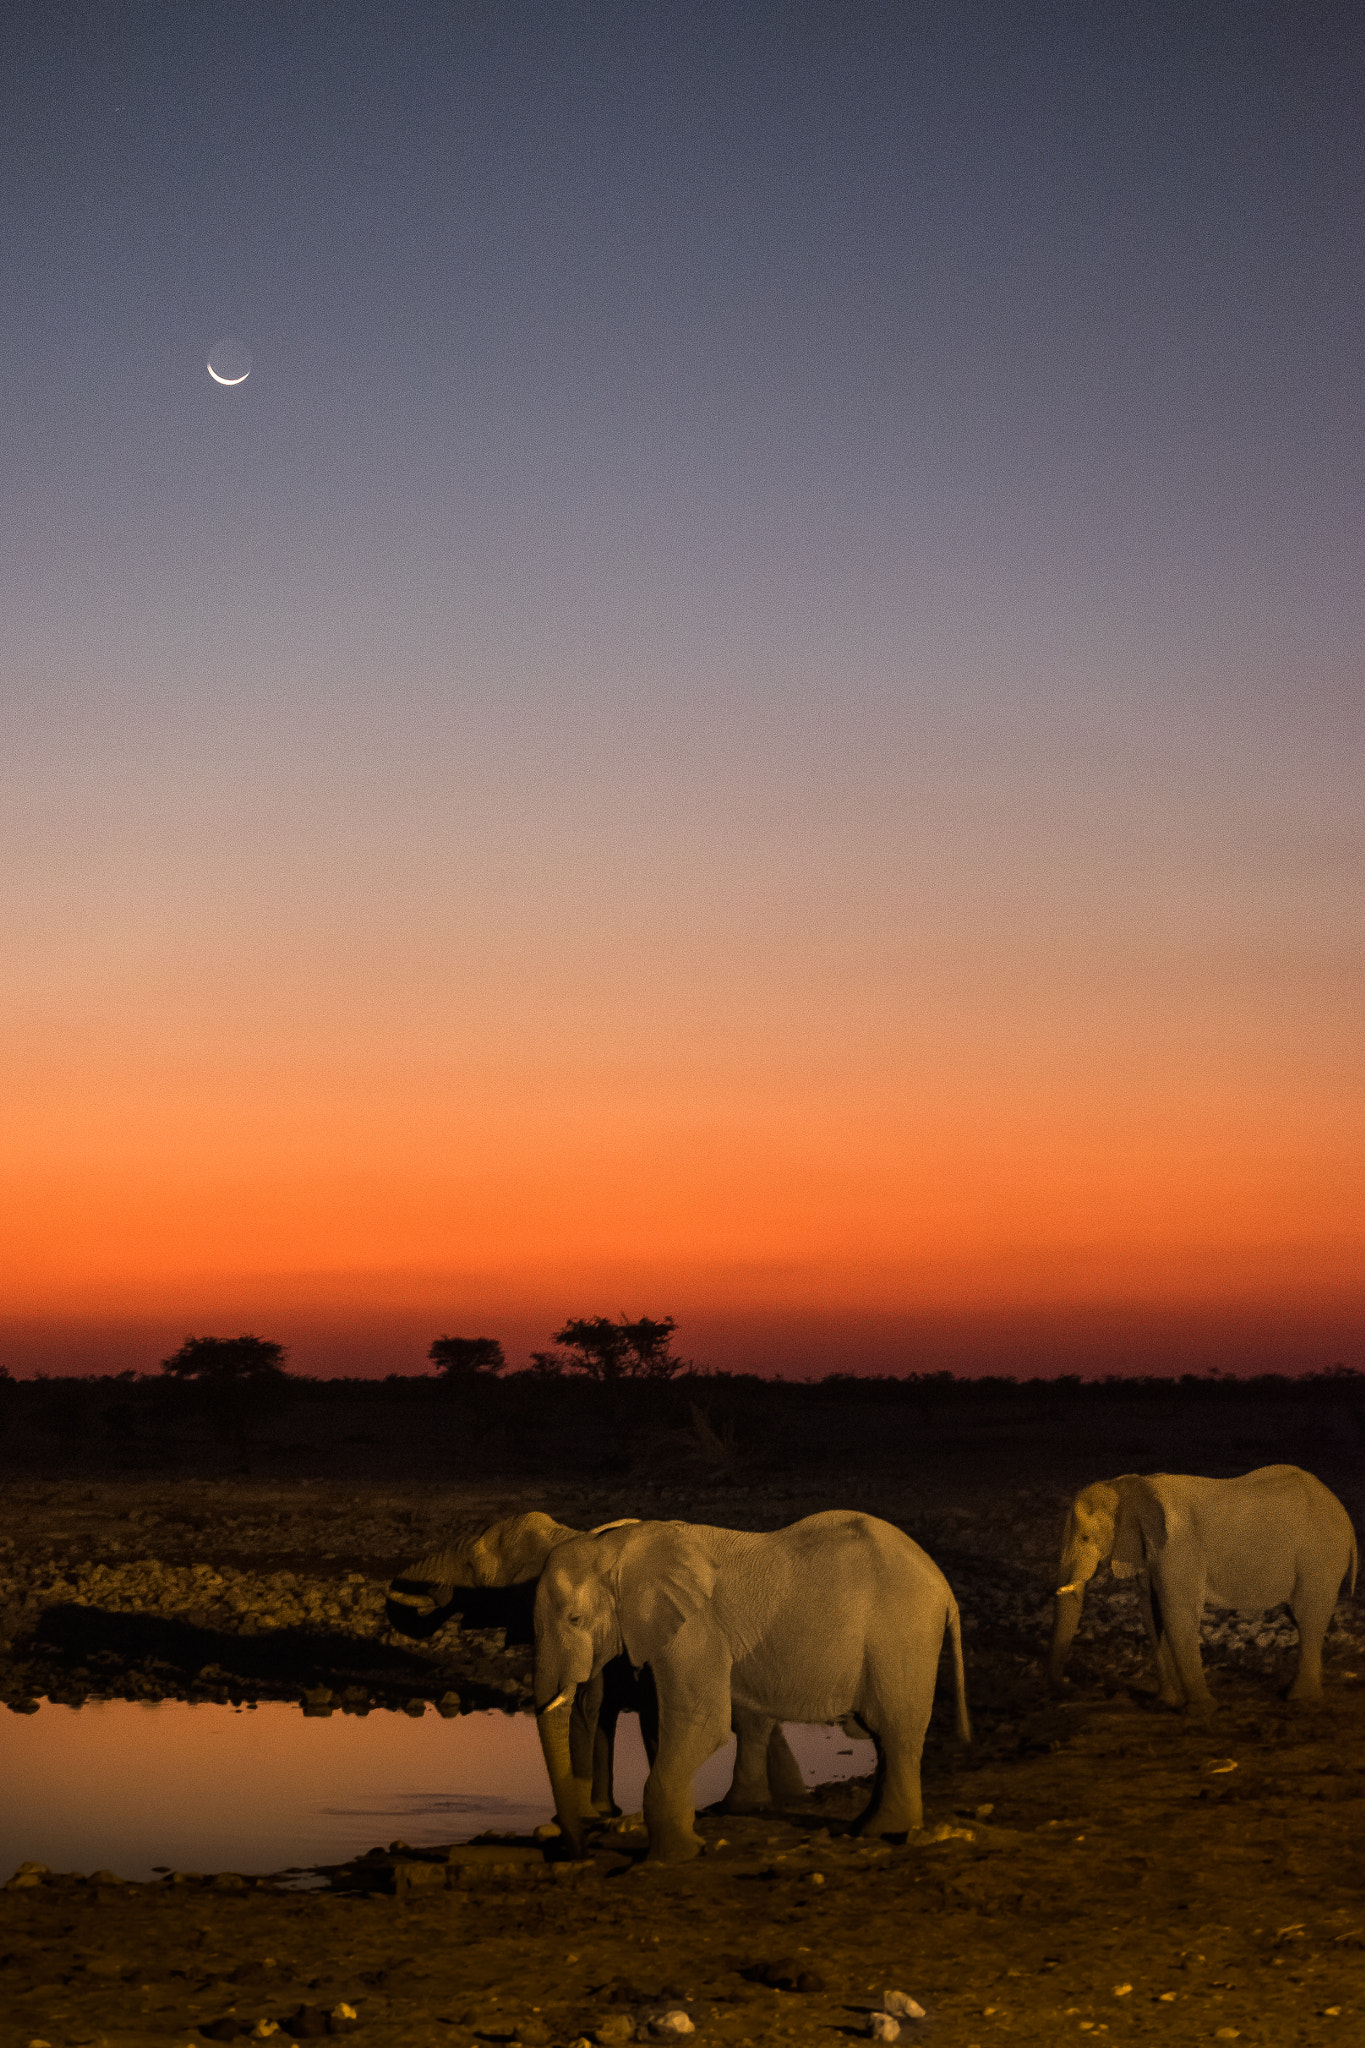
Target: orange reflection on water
x,y
128,1787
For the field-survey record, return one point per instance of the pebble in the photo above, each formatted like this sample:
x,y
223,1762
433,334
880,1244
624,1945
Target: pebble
x,y
902,2005
669,2024
882,2027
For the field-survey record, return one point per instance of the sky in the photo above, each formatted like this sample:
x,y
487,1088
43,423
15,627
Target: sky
x,y
755,711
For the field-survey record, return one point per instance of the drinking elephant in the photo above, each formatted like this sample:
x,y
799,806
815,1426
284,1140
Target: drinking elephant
x,y
1270,1537
839,1618
490,1580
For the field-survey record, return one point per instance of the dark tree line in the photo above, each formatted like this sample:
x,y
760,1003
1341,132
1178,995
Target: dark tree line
x,y
603,1349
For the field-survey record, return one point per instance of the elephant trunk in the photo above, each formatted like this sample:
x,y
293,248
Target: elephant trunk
x,y
552,1723
1066,1619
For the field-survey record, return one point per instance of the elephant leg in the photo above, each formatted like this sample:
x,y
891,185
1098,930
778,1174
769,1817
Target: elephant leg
x,y
694,1720
1168,1690
785,1779
1181,1608
749,1790
1312,1606
604,1761
647,1707
896,1807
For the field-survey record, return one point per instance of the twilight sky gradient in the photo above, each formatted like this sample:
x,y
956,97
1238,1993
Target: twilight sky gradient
x,y
755,713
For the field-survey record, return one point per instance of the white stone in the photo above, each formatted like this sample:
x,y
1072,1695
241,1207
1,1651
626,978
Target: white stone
x,y
902,2005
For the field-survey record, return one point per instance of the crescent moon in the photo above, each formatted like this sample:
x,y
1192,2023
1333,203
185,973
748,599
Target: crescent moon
x,y
226,380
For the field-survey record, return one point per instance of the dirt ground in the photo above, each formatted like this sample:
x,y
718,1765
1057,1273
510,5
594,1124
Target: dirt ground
x,y
1090,1867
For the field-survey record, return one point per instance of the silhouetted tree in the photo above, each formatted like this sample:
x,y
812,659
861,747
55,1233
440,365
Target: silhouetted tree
x,y
613,1351
459,1358
241,1379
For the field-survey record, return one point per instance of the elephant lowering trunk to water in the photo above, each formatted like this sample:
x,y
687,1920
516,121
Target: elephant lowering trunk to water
x,y
1269,1538
491,1579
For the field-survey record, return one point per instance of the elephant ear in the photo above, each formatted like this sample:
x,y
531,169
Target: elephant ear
x,y
1139,1528
661,1584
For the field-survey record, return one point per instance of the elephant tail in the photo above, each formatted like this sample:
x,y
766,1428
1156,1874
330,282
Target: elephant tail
x,y
964,1719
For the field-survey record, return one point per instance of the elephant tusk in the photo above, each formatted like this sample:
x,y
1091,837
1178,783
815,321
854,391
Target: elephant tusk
x,y
627,1522
410,1599
558,1701
1074,1587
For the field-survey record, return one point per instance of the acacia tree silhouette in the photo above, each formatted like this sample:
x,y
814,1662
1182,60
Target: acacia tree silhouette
x,y
460,1358
241,1379
613,1351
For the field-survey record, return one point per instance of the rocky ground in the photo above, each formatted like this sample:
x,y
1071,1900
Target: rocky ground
x,y
1094,1866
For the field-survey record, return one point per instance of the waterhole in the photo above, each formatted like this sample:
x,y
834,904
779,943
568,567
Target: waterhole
x,y
138,1788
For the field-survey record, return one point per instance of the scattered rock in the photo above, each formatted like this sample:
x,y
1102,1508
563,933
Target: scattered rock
x,y
901,2005
882,2027
666,2023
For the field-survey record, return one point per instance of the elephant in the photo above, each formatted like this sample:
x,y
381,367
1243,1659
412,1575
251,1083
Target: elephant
x,y
838,1618
490,1580
1271,1536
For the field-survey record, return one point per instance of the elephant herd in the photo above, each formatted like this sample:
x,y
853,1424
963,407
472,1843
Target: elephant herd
x,y
841,1618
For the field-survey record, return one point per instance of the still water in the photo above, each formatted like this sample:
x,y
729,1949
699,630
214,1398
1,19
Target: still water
x,y
128,1787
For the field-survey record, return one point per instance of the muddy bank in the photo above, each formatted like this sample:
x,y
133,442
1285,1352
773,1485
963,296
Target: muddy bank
x,y
1121,1880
